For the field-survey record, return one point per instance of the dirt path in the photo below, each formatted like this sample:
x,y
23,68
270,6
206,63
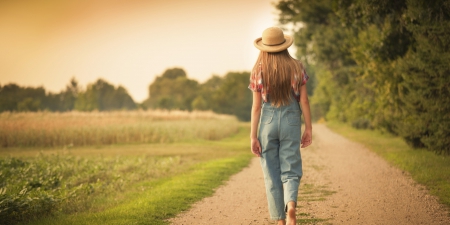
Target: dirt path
x,y
343,183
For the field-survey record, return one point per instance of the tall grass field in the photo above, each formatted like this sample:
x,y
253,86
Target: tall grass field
x,y
139,167
48,129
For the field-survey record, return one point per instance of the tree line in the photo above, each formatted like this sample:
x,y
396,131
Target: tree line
x,y
227,95
380,64
99,95
172,90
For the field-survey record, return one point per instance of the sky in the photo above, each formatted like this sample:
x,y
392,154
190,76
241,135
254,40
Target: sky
x,y
127,42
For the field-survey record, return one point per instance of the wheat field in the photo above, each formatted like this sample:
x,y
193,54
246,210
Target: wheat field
x,y
50,129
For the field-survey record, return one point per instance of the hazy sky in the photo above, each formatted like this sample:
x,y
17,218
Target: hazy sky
x,y
127,42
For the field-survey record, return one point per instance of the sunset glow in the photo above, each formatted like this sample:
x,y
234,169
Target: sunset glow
x,y
46,42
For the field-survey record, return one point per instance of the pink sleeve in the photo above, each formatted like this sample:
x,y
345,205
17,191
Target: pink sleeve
x,y
255,81
305,77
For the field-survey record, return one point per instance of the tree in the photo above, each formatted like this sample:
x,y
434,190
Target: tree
x,y
207,91
30,99
380,64
172,90
28,104
199,103
65,100
103,96
69,96
233,96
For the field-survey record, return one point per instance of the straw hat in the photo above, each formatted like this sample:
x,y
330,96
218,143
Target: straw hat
x,y
273,40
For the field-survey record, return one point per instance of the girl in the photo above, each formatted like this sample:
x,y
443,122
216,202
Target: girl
x,y
278,85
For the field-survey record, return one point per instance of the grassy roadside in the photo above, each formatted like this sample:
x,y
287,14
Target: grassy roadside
x,y
162,199
154,201
425,167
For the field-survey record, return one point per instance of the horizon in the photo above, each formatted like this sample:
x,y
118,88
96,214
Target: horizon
x,y
83,87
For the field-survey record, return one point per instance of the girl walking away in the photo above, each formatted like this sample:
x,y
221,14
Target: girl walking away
x,y
278,85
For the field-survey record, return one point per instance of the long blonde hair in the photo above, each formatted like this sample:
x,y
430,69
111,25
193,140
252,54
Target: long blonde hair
x,y
278,70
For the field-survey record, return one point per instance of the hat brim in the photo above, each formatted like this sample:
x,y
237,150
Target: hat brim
x,y
273,48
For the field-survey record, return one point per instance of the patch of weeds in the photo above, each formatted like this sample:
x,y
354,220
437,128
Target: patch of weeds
x,y
315,199
325,192
312,221
303,214
311,192
306,218
318,168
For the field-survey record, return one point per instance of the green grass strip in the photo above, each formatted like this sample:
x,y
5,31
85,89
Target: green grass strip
x,y
425,167
163,199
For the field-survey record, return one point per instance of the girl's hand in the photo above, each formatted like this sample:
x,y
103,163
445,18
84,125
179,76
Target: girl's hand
x,y
256,147
307,138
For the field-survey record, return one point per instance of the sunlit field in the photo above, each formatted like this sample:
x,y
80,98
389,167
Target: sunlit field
x,y
74,168
49,129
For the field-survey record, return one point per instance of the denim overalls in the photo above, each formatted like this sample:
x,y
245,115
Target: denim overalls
x,y
281,162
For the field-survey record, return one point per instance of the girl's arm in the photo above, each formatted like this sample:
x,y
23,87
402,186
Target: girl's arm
x,y
256,113
304,102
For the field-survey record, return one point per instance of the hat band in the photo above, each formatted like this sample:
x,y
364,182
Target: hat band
x,y
274,44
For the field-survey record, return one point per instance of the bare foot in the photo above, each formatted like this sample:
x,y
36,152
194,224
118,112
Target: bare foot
x,y
291,220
